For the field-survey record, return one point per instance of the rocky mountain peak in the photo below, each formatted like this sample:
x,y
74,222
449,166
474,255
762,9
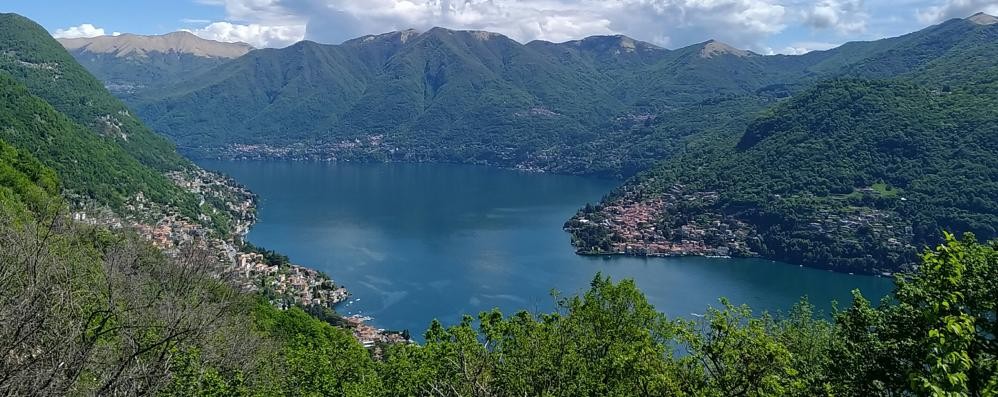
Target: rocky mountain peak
x,y
128,45
714,48
983,19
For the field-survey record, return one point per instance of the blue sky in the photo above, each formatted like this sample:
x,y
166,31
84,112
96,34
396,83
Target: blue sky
x,y
765,26
141,17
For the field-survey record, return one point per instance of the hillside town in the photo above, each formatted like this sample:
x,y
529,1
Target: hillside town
x,y
285,284
686,222
633,225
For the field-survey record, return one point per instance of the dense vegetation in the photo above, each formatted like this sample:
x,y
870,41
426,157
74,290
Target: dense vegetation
x,y
88,311
125,75
90,166
92,312
855,175
26,185
52,108
39,62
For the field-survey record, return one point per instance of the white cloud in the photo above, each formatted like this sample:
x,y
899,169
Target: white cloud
x,y
956,9
845,16
800,48
666,22
74,32
253,34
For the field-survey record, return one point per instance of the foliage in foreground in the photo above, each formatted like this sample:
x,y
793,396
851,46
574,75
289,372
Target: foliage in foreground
x,y
934,337
89,311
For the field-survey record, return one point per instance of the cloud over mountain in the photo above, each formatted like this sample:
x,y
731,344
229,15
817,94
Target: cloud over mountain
x,y
82,30
956,9
256,35
664,22
845,16
754,24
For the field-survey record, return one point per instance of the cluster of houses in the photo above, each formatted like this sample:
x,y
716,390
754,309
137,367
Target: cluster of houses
x,y
290,284
240,200
287,284
643,227
882,224
370,336
299,151
170,232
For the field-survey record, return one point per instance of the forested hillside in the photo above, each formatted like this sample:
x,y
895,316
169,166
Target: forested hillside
x,y
52,108
93,310
39,62
606,105
89,311
852,175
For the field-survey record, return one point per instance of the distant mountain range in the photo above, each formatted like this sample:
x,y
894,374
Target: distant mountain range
x,y
607,105
130,62
615,106
460,96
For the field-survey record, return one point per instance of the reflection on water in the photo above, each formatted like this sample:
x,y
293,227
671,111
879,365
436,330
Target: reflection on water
x,y
415,242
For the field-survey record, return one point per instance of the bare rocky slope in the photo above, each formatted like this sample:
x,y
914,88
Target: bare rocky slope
x,y
132,45
129,63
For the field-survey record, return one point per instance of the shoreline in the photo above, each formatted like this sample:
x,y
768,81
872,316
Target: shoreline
x,y
777,260
299,285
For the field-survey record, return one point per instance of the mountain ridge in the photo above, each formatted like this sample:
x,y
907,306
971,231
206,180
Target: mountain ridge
x,y
182,42
128,63
844,175
594,107
567,104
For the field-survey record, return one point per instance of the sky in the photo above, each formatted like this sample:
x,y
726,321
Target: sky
x,y
763,26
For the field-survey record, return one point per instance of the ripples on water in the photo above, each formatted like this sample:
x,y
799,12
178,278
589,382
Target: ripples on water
x,y
415,242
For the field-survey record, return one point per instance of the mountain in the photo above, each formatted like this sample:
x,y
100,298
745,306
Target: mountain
x,y
130,62
590,106
604,105
607,105
52,109
393,96
614,106
855,175
138,46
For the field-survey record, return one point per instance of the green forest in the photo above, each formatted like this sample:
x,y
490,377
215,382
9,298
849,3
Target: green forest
x,y
857,159
87,311
857,173
52,108
854,175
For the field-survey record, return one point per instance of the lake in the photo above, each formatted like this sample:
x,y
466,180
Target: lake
x,y
414,242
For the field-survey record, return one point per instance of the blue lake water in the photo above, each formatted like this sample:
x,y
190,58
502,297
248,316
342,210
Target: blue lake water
x,y
414,242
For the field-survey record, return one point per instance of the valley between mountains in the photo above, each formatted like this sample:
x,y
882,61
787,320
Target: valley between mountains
x,y
125,266
832,159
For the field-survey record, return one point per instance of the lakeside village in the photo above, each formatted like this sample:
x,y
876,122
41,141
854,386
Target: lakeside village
x,y
632,225
660,226
247,267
